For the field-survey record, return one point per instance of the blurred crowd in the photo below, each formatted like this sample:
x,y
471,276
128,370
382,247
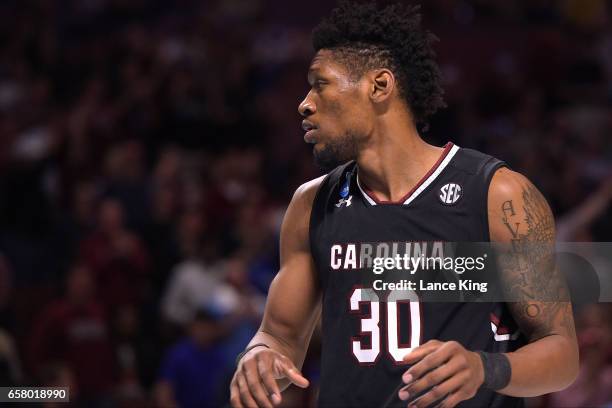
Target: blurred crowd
x,y
148,150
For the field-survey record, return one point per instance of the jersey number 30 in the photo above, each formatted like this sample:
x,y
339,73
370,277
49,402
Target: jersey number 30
x,y
370,324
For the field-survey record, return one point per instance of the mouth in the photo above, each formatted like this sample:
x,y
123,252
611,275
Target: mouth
x,y
310,129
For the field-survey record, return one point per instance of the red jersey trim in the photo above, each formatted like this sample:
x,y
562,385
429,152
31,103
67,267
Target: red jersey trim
x,y
372,196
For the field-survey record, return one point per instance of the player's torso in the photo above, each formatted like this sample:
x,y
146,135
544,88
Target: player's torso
x,y
365,331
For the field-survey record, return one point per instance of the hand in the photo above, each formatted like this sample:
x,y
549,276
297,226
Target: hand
x,y
454,373
254,383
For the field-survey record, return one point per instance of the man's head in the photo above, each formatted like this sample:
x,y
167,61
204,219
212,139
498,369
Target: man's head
x,y
205,329
368,60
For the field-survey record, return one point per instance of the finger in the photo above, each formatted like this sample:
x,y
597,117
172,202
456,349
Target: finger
x,y
265,374
426,364
293,374
439,404
441,355
418,353
450,401
432,378
245,395
429,379
440,392
426,401
255,386
235,396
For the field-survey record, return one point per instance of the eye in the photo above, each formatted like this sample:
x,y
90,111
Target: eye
x,y
319,83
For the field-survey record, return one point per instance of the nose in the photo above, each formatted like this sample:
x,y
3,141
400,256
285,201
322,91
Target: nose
x,y
307,106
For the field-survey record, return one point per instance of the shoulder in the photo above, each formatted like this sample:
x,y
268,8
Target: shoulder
x,y
507,185
296,223
517,209
506,182
310,187
305,194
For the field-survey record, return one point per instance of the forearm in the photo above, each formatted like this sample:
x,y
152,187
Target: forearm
x,y
543,366
289,321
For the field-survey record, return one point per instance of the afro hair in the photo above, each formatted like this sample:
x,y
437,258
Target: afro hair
x,y
364,36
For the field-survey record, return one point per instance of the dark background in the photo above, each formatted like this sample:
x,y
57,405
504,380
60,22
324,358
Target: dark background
x,y
148,150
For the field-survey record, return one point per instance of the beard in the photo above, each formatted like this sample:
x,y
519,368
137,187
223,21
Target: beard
x,y
336,152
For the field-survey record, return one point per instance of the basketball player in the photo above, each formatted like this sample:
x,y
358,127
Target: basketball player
x,y
374,82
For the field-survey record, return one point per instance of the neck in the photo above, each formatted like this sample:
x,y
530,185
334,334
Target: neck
x,y
394,160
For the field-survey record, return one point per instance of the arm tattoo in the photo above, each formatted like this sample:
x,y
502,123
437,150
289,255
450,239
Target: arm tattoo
x,y
528,269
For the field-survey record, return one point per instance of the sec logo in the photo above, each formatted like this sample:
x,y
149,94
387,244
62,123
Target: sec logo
x,y
450,193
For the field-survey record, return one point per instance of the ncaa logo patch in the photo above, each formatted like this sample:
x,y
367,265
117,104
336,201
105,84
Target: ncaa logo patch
x,y
450,193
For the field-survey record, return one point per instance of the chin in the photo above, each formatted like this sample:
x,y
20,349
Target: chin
x,y
324,160
335,152
318,147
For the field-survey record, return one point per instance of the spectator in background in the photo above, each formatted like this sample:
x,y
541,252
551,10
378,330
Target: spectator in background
x,y
190,234
576,225
223,302
58,374
193,281
90,91
6,294
134,355
160,234
117,257
74,329
10,366
256,231
125,181
236,275
192,373
250,304
235,182
79,221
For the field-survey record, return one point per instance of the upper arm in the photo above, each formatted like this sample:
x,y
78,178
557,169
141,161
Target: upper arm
x,y
521,220
293,304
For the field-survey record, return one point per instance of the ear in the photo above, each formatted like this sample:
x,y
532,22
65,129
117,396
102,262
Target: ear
x,y
383,84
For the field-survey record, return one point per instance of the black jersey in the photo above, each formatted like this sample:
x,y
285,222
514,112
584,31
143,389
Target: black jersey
x,y
365,337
